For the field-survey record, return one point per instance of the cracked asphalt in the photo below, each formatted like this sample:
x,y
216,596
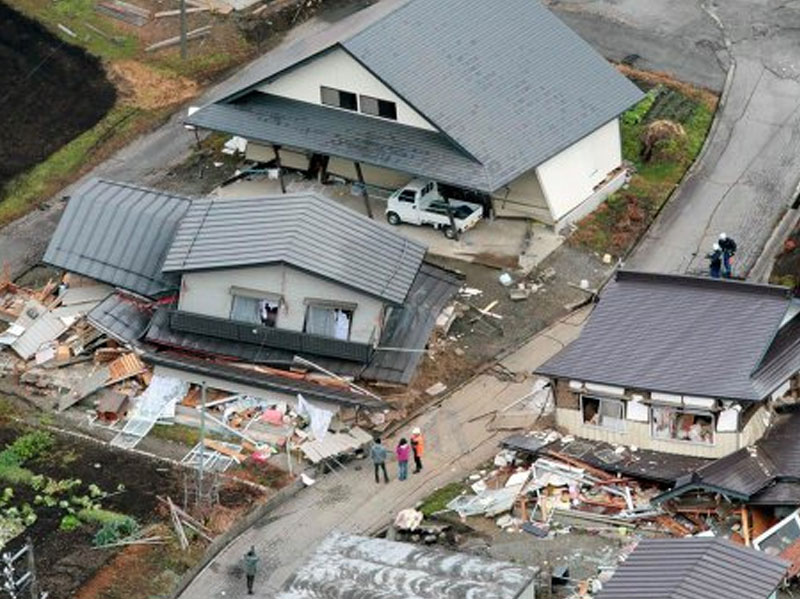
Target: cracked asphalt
x,y
749,174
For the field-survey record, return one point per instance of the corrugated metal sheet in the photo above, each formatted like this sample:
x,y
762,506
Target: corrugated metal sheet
x,y
271,119
265,381
44,329
309,232
694,568
676,334
118,234
409,327
510,87
122,317
351,567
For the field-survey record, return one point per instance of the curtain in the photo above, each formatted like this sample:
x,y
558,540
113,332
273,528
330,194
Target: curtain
x,y
321,321
245,309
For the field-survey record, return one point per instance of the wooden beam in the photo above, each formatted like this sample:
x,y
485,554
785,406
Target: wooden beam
x,y
277,150
363,185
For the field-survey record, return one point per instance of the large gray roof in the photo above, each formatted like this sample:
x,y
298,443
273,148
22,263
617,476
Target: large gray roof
x,y
694,568
351,567
676,334
511,87
305,231
119,234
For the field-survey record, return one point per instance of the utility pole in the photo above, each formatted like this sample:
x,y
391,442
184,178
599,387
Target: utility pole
x,y
201,465
183,29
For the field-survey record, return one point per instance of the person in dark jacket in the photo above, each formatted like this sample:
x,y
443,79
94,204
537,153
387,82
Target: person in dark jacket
x,y
715,261
250,568
378,454
728,247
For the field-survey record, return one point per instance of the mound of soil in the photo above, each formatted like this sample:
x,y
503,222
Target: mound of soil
x,y
50,92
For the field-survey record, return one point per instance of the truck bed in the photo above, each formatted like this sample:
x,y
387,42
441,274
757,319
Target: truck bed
x,y
459,211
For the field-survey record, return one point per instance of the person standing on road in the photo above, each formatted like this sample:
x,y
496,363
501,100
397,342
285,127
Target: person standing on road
x,y
378,454
250,568
728,247
403,452
715,261
418,447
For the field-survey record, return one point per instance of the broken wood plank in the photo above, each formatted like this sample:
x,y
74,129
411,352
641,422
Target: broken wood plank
x,y
225,450
195,33
178,525
177,12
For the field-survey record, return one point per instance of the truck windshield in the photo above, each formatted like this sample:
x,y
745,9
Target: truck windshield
x,y
407,196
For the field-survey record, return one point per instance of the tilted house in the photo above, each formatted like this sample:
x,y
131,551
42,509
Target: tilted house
x,y
504,101
260,281
678,364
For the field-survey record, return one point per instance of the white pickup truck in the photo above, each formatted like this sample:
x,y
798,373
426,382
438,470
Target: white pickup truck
x,y
420,203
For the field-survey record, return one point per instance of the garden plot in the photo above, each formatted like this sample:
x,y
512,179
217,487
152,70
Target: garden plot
x,y
77,500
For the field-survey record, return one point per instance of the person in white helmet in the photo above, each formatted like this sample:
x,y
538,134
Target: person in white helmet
x,y
715,261
728,247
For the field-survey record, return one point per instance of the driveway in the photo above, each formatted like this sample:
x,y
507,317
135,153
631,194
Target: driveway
x,y
748,177
456,443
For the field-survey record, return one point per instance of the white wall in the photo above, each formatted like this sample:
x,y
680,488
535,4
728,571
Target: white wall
x,y
209,293
570,177
339,70
523,197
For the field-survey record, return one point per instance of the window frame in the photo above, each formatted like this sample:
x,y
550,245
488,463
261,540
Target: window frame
x,y
251,296
323,89
680,409
603,399
379,102
332,306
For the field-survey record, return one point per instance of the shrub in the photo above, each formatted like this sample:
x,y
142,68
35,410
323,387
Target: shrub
x,y
30,445
69,522
115,531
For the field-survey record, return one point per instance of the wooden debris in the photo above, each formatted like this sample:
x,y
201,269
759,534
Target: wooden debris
x,y
195,33
225,450
129,13
125,367
177,12
178,525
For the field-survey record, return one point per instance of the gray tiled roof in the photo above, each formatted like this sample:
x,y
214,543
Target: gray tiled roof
x,y
676,334
122,317
694,568
350,567
511,87
118,234
782,360
305,231
272,119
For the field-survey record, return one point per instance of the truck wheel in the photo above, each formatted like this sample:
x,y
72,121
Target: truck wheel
x,y
449,232
393,218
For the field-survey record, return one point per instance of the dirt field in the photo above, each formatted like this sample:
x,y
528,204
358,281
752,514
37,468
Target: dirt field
x,y
50,92
66,559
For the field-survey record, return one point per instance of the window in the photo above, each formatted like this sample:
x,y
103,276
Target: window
x,y
255,310
328,321
377,107
338,98
679,424
407,195
603,412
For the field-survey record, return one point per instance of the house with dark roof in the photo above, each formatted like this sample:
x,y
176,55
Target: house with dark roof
x,y
696,568
510,104
678,364
260,281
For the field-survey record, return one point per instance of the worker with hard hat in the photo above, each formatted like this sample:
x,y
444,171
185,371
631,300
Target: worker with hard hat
x,y
728,247
418,448
715,261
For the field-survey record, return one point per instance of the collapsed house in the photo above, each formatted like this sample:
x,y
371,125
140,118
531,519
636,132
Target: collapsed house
x,y
697,568
273,307
517,111
678,365
352,566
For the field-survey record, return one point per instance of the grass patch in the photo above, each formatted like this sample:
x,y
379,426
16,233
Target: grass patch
x,y
438,500
177,433
619,222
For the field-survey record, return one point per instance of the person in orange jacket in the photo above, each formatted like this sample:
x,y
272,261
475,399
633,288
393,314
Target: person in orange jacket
x,y
418,447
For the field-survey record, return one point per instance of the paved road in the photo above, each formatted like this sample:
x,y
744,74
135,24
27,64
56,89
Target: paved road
x,y
749,176
456,442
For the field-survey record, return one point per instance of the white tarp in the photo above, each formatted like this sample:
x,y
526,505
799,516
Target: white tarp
x,y
320,417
